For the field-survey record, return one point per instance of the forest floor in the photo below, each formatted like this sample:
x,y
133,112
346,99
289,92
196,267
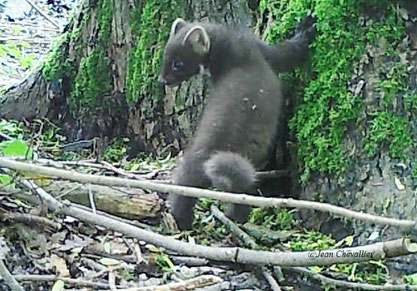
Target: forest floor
x,y
26,35
46,249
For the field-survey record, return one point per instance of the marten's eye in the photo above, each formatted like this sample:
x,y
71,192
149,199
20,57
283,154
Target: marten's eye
x,y
177,65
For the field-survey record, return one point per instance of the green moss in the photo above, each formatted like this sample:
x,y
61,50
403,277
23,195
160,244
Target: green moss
x,y
153,30
77,32
92,83
326,105
392,131
105,19
57,65
389,129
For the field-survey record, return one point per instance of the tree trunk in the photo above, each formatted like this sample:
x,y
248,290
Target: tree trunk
x,y
100,80
352,133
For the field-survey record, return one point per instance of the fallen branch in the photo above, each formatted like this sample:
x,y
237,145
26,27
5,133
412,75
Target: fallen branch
x,y
340,283
375,251
325,280
190,284
28,219
123,202
5,136
77,282
239,234
246,240
204,193
271,280
43,14
8,278
271,174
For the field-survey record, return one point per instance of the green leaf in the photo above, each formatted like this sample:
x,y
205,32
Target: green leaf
x,y
77,250
411,279
58,286
109,262
17,148
5,179
107,247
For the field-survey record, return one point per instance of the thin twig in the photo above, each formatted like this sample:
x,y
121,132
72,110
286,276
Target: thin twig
x,y
120,171
271,280
91,199
91,164
8,278
375,251
43,14
190,284
27,25
340,283
204,193
247,240
5,136
29,219
77,282
271,174
94,265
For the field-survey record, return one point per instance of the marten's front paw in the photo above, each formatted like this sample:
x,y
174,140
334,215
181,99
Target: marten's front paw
x,y
306,30
184,219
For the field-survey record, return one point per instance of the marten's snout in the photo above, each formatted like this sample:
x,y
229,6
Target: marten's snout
x,y
161,79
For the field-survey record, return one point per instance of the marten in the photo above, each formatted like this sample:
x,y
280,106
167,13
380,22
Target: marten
x,y
236,133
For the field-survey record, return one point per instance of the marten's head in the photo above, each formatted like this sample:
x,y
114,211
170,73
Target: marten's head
x,y
186,51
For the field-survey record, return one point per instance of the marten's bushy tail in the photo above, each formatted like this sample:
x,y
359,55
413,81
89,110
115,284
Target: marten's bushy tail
x,y
232,173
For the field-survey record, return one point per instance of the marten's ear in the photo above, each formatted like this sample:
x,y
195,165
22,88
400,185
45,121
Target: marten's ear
x,y
199,40
177,25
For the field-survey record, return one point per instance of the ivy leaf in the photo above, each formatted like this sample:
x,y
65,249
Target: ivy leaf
x,y
17,148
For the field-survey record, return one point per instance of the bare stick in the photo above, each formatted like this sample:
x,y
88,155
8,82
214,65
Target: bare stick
x,y
240,234
103,166
190,284
5,136
271,174
8,278
246,240
204,193
91,199
43,14
77,282
29,219
340,283
120,171
272,282
375,251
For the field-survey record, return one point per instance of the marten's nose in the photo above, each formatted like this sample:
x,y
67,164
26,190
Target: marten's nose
x,y
162,80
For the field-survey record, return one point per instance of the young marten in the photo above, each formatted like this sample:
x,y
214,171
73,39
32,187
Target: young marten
x,y
238,127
